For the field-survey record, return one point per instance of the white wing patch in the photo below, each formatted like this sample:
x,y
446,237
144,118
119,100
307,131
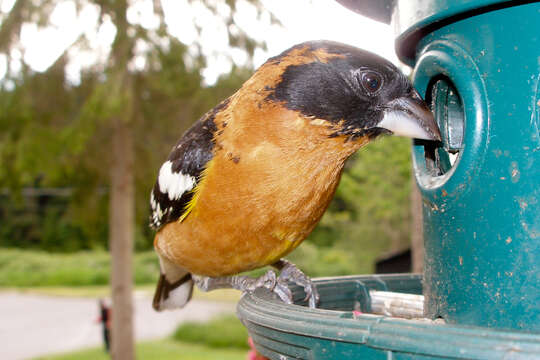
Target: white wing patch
x,y
157,213
174,184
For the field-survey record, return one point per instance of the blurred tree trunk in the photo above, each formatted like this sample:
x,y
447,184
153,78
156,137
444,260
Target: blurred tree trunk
x,y
417,228
11,25
122,195
121,241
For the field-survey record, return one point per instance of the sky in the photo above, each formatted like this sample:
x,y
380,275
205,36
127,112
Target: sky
x,y
302,20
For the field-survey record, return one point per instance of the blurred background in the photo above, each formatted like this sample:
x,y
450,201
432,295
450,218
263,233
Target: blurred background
x,y
93,94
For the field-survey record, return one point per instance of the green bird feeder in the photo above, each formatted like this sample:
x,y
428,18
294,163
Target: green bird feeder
x,y
478,63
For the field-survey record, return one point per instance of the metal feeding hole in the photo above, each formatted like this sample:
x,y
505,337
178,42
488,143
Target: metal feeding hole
x,y
449,114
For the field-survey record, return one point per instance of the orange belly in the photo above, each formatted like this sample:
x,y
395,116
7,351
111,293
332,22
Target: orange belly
x,y
247,223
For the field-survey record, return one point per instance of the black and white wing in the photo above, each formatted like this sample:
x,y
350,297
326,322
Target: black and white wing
x,y
180,174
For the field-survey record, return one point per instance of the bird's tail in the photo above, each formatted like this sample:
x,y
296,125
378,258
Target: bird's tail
x,y
174,288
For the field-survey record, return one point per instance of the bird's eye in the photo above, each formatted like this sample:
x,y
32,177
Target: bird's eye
x,y
371,81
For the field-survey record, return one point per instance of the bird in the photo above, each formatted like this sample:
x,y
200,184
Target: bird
x,y
249,181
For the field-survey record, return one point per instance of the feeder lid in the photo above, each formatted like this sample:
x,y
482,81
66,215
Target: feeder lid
x,y
412,19
379,10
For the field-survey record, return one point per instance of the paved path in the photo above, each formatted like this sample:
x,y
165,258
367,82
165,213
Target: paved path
x,y
32,325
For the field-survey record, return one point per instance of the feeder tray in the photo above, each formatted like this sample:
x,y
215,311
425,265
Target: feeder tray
x,y
343,326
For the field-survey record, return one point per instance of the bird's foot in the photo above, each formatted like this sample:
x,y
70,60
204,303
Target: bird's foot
x,y
268,280
277,284
289,272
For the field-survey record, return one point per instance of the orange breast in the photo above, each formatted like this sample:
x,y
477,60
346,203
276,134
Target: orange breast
x,y
269,183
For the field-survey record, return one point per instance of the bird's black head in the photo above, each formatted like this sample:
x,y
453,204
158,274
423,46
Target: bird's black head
x,y
360,92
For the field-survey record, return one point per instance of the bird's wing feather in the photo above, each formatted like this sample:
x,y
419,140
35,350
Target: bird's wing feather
x,y
180,174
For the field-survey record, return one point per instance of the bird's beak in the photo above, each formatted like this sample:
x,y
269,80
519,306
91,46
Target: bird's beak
x,y
410,116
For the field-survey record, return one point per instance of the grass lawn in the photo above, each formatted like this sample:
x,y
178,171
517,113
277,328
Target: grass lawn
x,y
223,337
160,350
27,268
224,332
91,269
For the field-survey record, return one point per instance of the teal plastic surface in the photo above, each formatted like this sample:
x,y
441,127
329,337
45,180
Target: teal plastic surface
x,y
482,217
413,19
282,331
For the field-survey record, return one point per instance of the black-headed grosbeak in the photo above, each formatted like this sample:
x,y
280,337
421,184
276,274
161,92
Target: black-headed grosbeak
x,y
249,181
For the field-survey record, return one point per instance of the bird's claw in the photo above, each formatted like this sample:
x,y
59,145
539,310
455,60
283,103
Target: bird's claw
x,y
271,282
282,290
268,280
289,272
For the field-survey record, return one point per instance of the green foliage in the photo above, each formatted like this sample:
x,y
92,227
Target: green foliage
x,y
221,332
44,221
23,268
319,261
162,350
31,144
